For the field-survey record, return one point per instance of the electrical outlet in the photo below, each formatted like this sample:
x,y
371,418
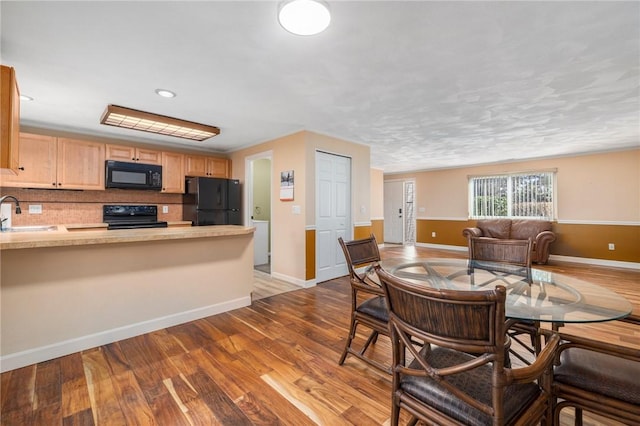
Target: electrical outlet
x,y
35,208
433,235
165,209
612,246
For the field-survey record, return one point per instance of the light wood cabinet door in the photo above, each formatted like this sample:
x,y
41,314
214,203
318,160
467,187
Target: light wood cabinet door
x,y
9,119
37,166
131,154
218,167
172,172
148,156
199,165
195,165
80,164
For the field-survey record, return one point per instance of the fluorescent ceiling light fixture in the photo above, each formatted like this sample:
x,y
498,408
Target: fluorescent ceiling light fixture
x,y
26,98
165,93
128,118
304,17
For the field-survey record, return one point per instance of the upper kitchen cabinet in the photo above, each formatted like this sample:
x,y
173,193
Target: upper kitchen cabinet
x,y
198,165
132,154
37,167
9,119
58,163
172,172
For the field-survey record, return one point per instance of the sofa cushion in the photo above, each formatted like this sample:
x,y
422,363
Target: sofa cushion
x,y
522,229
495,228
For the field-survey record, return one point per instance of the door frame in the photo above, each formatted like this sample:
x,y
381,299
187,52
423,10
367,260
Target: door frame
x,y
404,206
248,192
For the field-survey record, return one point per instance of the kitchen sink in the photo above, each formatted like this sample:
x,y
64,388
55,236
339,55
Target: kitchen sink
x,y
31,228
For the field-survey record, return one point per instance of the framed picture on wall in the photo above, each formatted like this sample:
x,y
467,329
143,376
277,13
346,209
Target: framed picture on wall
x,y
286,185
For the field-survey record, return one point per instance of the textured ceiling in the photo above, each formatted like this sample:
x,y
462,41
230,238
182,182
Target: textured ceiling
x,y
426,84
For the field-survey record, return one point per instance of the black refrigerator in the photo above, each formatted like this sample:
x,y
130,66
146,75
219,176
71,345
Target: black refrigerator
x,y
212,201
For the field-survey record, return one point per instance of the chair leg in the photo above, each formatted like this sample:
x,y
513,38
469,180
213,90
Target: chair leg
x,y
578,416
352,333
395,412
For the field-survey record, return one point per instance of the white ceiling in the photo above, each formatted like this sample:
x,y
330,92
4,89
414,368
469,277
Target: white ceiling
x,y
426,84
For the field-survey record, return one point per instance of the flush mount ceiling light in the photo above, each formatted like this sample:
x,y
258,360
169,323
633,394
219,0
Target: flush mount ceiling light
x,y
304,17
154,123
165,93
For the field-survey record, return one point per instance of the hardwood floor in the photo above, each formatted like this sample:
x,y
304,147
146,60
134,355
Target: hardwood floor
x,y
266,286
274,362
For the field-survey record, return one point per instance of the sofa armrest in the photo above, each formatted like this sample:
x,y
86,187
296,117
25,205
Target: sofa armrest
x,y
471,232
541,246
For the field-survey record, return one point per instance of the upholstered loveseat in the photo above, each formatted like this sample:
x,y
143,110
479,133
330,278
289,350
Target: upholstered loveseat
x,y
517,229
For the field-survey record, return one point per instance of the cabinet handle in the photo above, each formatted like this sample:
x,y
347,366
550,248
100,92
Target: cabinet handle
x,y
21,168
54,184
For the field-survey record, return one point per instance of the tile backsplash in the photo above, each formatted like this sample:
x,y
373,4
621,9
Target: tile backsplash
x,y
60,207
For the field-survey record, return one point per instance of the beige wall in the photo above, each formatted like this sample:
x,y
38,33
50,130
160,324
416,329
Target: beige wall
x,y
377,194
289,242
598,202
613,179
60,300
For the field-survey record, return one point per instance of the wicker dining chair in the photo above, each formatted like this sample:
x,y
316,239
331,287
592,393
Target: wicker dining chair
x,y
458,376
602,378
367,298
503,258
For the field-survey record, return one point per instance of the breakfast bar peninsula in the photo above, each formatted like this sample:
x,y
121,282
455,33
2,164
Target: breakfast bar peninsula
x,y
66,290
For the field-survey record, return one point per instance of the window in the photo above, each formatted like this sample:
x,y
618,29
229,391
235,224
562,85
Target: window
x,y
517,195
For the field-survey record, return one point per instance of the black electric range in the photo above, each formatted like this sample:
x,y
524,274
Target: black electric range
x,y
130,217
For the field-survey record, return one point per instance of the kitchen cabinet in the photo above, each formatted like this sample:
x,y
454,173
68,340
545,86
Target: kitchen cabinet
x,y
172,172
133,154
9,119
58,163
200,165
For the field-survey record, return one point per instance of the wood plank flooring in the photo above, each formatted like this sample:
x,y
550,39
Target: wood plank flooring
x,y
272,363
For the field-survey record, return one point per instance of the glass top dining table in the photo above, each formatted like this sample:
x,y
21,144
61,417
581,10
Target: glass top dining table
x,y
550,297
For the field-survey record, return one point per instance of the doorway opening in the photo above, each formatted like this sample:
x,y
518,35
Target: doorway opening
x,y
258,175
399,212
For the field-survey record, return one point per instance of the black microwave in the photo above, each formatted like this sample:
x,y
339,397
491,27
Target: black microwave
x,y
119,174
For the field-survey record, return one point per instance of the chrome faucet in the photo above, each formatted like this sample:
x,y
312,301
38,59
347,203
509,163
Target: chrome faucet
x,y
18,209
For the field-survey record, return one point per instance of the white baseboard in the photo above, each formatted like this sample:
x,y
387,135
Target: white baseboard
x,y
442,246
295,281
44,353
585,260
597,262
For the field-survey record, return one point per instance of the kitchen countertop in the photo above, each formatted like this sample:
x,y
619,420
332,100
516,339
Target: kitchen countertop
x,y
78,235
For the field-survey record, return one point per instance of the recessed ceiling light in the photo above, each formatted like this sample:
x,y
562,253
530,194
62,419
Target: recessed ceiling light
x,y
304,17
165,93
26,98
128,118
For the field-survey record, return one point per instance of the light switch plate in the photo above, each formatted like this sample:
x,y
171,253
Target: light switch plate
x,y
296,209
165,209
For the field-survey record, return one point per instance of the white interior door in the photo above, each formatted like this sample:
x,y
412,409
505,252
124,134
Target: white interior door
x,y
333,214
393,212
